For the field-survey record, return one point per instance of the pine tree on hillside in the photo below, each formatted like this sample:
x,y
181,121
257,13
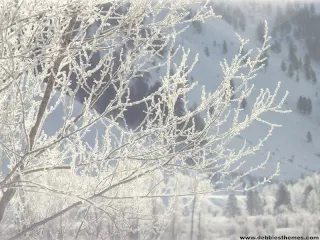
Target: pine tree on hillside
x,y
309,106
232,209
307,61
283,66
290,71
304,105
307,66
309,137
225,47
283,197
313,76
276,47
307,73
292,56
254,203
299,104
206,51
197,26
243,103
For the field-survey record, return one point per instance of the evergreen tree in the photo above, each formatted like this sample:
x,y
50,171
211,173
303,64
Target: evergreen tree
x,y
198,26
307,73
292,56
225,47
283,197
276,46
299,104
254,203
206,51
243,103
309,137
313,76
290,71
297,77
308,106
307,65
283,66
232,209
304,105
313,202
307,60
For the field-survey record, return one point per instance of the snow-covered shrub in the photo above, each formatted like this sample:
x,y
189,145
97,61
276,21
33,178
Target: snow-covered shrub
x,y
231,229
268,223
305,229
282,221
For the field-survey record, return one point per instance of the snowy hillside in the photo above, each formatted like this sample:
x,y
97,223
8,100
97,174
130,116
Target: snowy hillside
x,y
288,145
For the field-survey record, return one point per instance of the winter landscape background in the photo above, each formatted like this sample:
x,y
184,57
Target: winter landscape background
x,y
290,203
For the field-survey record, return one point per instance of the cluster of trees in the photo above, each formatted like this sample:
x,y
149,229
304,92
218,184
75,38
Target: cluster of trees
x,y
305,26
307,22
282,22
304,194
304,20
296,64
308,70
255,203
283,199
232,15
304,105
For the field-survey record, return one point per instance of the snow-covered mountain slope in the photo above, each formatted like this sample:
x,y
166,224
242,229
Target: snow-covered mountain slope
x,y
288,145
